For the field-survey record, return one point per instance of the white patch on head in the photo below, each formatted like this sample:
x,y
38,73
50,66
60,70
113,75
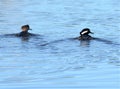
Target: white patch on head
x,y
84,32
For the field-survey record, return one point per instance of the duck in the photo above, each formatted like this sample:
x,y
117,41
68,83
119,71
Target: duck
x,y
24,32
84,34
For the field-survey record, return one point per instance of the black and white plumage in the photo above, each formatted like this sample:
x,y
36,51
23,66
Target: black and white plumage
x,y
84,34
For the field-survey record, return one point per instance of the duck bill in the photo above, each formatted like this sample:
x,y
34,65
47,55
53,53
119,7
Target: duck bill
x,y
91,32
30,29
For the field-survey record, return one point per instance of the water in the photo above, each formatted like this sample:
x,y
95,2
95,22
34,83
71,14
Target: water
x,y
62,63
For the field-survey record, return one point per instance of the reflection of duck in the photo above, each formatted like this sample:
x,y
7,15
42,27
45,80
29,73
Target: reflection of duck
x,y
25,32
85,42
84,34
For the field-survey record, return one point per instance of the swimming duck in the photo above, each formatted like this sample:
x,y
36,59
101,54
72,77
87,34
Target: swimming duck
x,y
24,32
84,34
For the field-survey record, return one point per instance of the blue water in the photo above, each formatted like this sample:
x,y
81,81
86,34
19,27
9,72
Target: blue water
x,y
62,63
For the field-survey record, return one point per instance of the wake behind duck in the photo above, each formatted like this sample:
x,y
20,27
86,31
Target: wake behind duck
x,y
84,37
24,33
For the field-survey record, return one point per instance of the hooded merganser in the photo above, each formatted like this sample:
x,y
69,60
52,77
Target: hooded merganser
x,y
24,32
84,34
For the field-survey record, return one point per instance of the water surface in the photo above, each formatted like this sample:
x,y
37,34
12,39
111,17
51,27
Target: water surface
x,y
63,63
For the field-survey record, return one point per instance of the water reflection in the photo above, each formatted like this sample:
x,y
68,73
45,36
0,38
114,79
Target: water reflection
x,y
85,42
25,39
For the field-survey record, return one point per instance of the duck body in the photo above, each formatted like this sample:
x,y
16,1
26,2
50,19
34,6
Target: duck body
x,y
85,37
84,34
24,34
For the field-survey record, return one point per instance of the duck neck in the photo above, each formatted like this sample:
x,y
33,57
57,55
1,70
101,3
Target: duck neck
x,y
24,31
85,35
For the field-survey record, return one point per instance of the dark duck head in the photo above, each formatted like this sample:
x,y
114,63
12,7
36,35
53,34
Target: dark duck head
x,y
84,34
24,32
25,28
